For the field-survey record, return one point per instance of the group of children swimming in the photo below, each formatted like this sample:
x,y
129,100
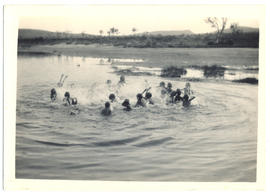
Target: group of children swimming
x,y
143,98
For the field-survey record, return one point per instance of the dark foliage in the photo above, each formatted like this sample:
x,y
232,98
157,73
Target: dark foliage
x,y
173,71
250,39
247,80
213,71
129,72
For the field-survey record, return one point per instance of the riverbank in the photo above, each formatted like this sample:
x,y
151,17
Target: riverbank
x,y
232,64
242,39
155,57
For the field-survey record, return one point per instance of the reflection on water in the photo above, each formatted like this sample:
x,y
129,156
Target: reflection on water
x,y
226,72
212,140
103,61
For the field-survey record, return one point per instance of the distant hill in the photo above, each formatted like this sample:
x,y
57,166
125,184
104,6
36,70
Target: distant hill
x,y
169,32
244,29
32,33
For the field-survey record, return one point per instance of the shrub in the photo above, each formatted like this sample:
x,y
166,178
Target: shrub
x,y
173,71
213,71
129,72
247,80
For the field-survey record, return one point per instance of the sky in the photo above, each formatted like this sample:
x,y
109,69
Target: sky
x,y
145,18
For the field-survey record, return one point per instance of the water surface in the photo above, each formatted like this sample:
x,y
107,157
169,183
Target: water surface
x,y
212,140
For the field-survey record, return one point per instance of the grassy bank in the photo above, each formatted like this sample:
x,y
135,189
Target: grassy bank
x,y
207,40
156,57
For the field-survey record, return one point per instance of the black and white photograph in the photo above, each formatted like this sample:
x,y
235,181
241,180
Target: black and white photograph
x,y
149,93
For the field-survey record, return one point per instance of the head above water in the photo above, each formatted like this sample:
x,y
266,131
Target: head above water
x,y
108,81
139,96
53,91
107,104
162,84
126,102
169,85
178,91
67,94
148,95
112,97
185,97
122,78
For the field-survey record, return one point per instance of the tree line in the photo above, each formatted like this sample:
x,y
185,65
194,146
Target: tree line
x,y
235,38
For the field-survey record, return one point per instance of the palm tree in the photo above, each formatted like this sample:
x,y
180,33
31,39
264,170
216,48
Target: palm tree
x,y
116,31
134,30
112,30
83,34
100,32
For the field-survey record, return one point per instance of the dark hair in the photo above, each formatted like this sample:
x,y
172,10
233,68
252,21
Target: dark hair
x,y
53,91
53,94
178,91
169,85
126,102
67,94
122,78
148,95
111,96
185,97
107,104
173,93
139,96
161,84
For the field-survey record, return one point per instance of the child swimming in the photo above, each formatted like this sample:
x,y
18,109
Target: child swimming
x,y
178,97
112,98
126,104
162,88
53,94
148,98
169,88
109,82
187,90
162,84
107,110
172,96
122,80
68,100
140,101
186,100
